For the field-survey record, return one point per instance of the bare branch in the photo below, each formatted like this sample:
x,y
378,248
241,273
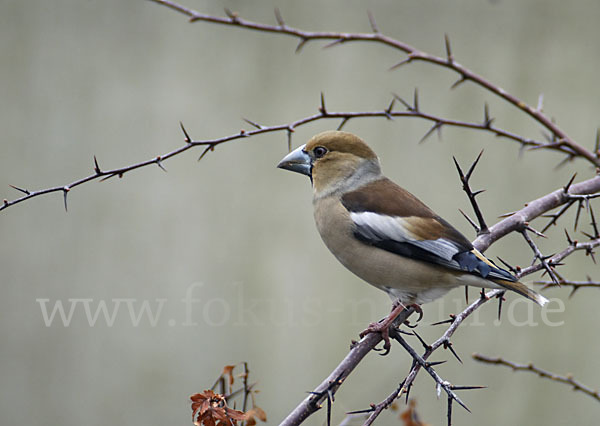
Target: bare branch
x,y
577,386
482,228
211,144
336,378
455,322
536,208
587,246
413,54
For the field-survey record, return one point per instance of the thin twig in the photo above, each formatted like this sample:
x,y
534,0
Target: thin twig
x,y
587,246
543,260
482,228
336,378
561,138
442,341
577,386
533,209
575,285
210,144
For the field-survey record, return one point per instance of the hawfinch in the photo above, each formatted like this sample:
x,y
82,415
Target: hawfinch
x,y
383,233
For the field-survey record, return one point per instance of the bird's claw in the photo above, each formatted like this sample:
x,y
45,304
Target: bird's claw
x,y
384,329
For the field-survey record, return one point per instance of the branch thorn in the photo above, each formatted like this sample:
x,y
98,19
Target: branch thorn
x,y
388,111
343,123
458,82
252,123
185,133
232,15
159,164
448,49
279,18
568,185
322,108
24,191
66,189
487,121
540,104
374,27
301,44
436,127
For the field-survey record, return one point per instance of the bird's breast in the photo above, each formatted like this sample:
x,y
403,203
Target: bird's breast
x,y
410,280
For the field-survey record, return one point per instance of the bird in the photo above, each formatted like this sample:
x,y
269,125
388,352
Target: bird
x,y
384,234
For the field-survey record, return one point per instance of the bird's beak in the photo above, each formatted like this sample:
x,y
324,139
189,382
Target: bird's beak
x,y
297,161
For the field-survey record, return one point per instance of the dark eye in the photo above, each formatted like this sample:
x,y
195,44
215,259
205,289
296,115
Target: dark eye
x,y
320,151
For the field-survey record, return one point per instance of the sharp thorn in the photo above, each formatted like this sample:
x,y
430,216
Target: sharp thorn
x,y
343,123
66,189
322,108
467,387
252,123
185,133
108,177
334,43
448,321
97,167
459,169
472,168
300,45
568,185
279,18
458,82
402,62
159,164
448,345
448,49
24,191
208,148
423,342
403,102
416,100
471,222
232,15
433,128
374,27
390,107
434,363
289,140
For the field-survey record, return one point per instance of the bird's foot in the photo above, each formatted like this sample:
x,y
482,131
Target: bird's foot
x,y
383,326
419,311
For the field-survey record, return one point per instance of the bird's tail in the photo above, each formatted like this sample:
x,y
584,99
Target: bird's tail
x,y
523,290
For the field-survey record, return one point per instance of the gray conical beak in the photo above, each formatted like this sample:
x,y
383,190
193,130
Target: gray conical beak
x,y
297,161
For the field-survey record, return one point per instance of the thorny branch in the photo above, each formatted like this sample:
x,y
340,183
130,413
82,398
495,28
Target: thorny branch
x,y
575,285
210,144
443,341
577,386
559,139
331,384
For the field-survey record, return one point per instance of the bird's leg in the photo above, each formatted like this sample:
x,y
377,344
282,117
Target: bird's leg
x,y
383,326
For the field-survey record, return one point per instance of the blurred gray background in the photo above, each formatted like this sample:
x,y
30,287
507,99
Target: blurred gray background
x,y
234,236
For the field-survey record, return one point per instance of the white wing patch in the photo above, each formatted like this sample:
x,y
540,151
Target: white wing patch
x,y
380,227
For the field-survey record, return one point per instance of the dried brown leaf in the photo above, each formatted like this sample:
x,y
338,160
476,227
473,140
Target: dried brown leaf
x,y
228,371
210,409
410,417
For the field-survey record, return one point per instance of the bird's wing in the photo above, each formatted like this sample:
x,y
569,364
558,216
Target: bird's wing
x,y
390,218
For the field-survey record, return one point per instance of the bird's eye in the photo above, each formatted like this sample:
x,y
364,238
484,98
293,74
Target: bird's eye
x,y
320,151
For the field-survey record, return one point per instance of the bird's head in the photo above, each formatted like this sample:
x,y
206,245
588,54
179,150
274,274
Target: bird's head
x,y
334,161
